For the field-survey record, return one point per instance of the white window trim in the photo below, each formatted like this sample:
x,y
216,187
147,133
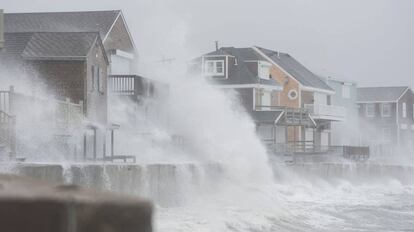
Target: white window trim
x,y
382,110
214,73
266,65
366,110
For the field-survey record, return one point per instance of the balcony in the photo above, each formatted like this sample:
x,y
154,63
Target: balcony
x,y
327,112
289,117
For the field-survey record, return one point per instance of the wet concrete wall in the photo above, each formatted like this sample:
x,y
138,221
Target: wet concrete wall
x,y
28,204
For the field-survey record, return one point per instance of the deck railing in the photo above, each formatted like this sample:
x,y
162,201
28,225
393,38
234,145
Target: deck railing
x,y
330,111
307,148
62,114
124,85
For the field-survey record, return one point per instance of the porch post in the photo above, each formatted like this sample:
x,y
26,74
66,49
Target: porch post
x,y
84,145
94,144
112,142
11,99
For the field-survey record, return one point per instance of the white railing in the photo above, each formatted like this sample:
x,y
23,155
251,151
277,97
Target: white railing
x,y
326,111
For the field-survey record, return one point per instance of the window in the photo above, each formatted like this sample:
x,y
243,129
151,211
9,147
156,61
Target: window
x,y
214,67
97,76
263,99
386,110
93,78
97,80
263,70
292,94
404,110
346,91
370,110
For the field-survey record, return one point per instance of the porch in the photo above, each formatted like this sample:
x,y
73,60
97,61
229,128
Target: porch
x,y
24,118
306,151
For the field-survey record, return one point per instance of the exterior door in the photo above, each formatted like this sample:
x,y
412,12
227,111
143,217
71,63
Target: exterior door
x,y
325,138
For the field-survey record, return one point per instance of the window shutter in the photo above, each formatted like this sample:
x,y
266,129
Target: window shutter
x,y
92,86
101,81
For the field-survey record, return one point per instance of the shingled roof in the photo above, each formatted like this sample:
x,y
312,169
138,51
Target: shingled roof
x,y
240,74
380,94
299,72
50,45
86,21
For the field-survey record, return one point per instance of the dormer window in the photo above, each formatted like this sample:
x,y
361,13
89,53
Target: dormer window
x,y
264,70
214,67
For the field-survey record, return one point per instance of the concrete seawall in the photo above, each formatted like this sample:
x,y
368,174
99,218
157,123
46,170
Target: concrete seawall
x,y
170,184
166,184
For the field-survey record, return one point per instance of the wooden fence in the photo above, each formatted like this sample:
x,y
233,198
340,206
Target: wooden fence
x,y
60,115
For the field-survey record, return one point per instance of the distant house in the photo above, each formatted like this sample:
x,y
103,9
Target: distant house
x,y
302,89
386,115
345,132
1,29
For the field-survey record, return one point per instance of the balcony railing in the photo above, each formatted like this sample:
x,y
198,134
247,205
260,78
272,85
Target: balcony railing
x,y
329,112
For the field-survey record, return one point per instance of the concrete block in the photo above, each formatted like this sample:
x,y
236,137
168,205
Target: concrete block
x,y
28,205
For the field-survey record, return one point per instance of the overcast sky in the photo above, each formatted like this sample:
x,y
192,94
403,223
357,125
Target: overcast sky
x,y
368,41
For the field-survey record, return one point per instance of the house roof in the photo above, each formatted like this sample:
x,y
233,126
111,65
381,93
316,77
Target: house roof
x,y
50,45
86,21
380,94
303,75
240,73
268,117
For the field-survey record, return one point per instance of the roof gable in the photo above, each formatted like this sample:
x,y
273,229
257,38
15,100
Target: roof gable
x,y
295,69
380,94
87,21
51,45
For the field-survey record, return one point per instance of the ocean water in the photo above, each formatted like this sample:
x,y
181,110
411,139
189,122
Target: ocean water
x,y
314,204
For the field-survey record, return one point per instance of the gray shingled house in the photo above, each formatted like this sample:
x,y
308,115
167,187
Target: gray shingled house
x,y
386,115
1,29
71,65
110,25
73,53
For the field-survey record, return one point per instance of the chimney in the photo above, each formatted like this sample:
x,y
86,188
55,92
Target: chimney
x,y
217,45
1,29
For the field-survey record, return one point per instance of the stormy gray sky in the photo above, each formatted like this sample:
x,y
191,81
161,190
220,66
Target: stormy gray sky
x,y
369,41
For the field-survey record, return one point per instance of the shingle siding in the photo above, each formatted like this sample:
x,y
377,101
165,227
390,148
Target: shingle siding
x,y
118,38
63,78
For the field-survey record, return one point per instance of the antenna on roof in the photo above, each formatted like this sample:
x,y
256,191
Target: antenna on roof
x,y
217,45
